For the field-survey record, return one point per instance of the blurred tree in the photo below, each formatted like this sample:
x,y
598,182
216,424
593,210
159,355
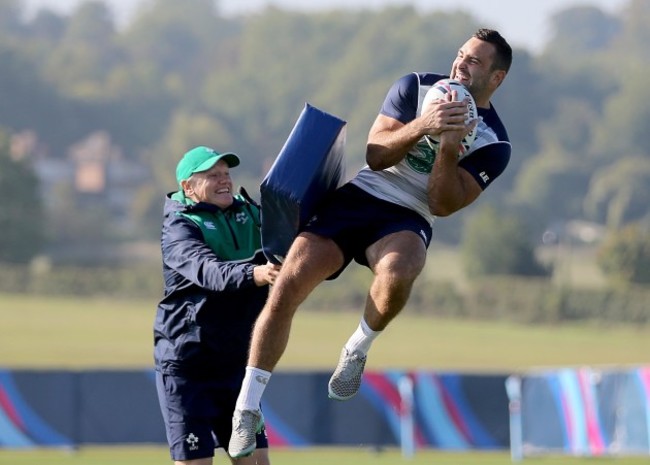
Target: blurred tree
x,y
570,130
262,97
623,128
48,27
553,183
145,211
552,186
43,36
619,193
79,227
582,30
11,24
634,34
523,90
497,243
21,214
28,102
598,115
87,52
625,255
177,40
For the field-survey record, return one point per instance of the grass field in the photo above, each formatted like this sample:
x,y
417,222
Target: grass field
x,y
40,332
310,456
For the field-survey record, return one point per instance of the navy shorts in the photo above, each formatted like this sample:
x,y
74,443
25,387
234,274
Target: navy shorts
x,y
198,415
355,219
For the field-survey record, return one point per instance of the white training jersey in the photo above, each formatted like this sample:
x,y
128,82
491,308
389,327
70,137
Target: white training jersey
x,y
406,182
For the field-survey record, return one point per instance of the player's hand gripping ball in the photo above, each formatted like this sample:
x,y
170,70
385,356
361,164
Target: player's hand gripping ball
x,y
438,91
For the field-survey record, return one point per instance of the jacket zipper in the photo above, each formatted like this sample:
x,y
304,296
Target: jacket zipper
x,y
232,232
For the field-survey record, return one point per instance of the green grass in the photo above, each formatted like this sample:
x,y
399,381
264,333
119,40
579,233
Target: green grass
x,y
52,332
309,456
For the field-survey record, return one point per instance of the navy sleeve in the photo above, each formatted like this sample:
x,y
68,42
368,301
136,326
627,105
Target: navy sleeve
x,y
490,159
487,163
401,102
185,251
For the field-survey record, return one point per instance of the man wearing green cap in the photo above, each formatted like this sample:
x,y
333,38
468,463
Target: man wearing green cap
x,y
216,282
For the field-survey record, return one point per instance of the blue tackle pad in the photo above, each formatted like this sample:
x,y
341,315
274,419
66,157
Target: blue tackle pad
x,y
309,166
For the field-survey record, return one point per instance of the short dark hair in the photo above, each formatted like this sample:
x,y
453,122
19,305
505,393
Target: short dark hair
x,y
503,58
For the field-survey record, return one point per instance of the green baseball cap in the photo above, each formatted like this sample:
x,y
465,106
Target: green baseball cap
x,y
202,159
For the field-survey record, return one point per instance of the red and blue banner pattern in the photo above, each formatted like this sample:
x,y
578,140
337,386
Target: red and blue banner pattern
x,y
71,408
577,411
586,411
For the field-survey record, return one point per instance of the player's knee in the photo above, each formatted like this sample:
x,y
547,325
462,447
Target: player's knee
x,y
401,272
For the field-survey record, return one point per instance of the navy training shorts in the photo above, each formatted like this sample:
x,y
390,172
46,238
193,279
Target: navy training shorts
x,y
355,219
198,415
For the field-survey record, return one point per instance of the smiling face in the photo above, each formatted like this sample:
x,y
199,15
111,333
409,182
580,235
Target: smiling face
x,y
473,67
212,186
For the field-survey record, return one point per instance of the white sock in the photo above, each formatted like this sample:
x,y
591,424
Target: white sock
x,y
362,338
252,388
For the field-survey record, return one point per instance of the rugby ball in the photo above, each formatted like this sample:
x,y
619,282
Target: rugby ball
x,y
438,91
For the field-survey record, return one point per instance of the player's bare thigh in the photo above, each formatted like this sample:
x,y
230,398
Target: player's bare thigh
x,y
313,255
402,254
311,259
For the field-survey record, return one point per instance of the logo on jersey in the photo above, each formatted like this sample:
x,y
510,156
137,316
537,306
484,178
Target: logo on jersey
x,y
421,157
